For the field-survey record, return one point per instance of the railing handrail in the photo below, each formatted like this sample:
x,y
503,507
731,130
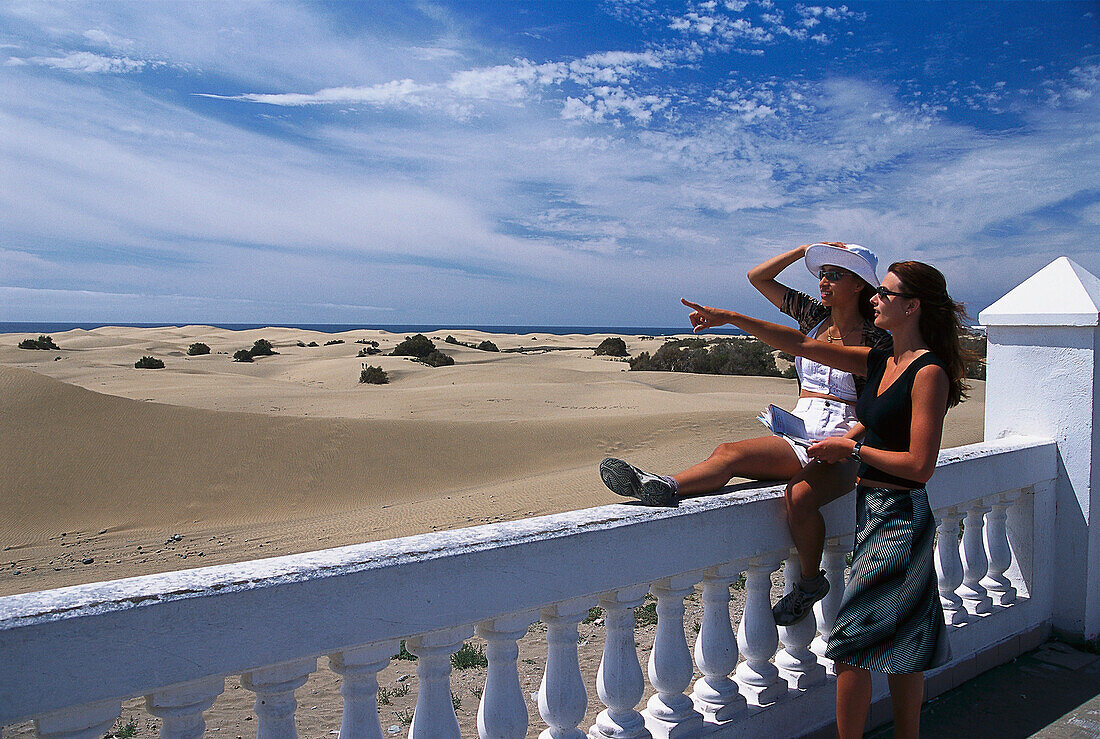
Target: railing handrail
x,y
173,627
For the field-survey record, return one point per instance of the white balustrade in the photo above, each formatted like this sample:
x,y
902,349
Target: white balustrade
x,y
998,586
670,713
434,716
502,713
758,637
619,681
180,707
359,667
949,566
975,563
274,687
797,664
185,614
825,610
716,696
563,698
91,721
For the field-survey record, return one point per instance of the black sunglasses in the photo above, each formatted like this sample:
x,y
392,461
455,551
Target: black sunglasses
x,y
832,275
884,293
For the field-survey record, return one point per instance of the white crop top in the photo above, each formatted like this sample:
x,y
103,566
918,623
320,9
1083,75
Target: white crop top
x,y
820,378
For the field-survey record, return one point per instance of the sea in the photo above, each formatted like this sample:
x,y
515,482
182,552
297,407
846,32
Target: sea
x,y
48,327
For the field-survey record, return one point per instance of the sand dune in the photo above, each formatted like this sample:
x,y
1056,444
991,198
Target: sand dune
x,y
105,462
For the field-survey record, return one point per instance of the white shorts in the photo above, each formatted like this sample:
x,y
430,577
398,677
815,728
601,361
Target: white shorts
x,y
824,418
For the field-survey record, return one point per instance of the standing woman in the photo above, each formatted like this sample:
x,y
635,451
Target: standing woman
x,y
844,315
890,618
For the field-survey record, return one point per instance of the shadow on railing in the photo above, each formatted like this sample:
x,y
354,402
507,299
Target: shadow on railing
x,y
72,655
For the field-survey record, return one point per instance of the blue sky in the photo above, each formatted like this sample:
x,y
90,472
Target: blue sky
x,y
566,163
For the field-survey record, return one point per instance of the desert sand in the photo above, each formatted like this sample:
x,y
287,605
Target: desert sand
x,y
111,471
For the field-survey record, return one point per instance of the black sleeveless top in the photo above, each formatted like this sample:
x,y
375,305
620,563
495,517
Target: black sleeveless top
x,y
888,417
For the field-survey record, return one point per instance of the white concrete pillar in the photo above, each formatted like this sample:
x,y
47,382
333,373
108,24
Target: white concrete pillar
x,y
434,716
619,681
275,705
502,712
1042,380
826,609
716,695
90,721
949,567
797,664
180,707
758,636
670,713
563,699
996,583
359,668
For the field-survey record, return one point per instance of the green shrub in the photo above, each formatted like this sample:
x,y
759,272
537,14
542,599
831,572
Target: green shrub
x,y
149,363
373,375
975,343
488,346
469,656
404,653
715,357
595,613
242,355
404,717
437,359
450,340
419,346
334,341
42,342
367,342
612,346
313,343
368,351
262,348
646,614
198,349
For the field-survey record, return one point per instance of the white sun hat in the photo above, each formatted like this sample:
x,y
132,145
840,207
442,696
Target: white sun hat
x,y
852,257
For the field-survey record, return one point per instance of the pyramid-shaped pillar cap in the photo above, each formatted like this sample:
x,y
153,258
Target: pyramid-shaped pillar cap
x,y
1063,293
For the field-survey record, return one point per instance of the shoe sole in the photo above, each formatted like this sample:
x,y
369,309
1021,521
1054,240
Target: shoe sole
x,y
622,480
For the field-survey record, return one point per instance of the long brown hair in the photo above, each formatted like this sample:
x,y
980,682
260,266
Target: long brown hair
x,y
941,322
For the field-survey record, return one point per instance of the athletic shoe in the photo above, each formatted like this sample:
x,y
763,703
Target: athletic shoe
x,y
629,481
797,604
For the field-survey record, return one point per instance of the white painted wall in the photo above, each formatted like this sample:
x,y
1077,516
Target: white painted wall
x,y
1043,381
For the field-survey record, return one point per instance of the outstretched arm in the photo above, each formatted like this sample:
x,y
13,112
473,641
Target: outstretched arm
x,y
763,275
847,358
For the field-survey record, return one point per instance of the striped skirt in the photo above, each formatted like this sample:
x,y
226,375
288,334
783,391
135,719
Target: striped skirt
x,y
890,618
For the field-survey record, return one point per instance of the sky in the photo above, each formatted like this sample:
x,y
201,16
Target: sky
x,y
530,163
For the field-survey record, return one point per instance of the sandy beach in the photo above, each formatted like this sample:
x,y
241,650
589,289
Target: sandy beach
x,y
111,471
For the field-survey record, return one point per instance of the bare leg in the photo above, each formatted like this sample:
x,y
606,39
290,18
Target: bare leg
x,y
906,696
853,700
766,458
814,486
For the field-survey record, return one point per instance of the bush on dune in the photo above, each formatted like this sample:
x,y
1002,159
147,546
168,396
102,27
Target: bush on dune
x,y
149,363
262,348
437,359
42,342
714,357
197,349
372,375
419,346
613,346
243,355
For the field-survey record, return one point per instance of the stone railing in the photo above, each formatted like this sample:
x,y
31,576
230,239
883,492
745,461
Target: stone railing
x,y
71,656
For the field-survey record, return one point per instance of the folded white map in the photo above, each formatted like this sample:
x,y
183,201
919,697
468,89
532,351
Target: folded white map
x,y
786,424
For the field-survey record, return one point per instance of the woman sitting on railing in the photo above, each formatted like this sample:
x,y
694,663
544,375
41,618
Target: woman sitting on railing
x,y
826,403
890,618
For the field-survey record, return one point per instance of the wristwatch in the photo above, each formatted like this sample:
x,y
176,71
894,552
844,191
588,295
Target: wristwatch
x,y
855,451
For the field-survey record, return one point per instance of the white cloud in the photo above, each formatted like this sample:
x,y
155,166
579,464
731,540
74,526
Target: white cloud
x,y
88,63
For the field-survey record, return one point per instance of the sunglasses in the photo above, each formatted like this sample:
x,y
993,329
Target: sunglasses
x,y
883,293
832,275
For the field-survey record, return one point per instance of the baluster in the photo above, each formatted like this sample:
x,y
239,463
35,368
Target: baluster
x,y
825,610
716,696
434,716
359,668
949,566
975,563
670,712
274,687
758,637
798,665
90,721
996,584
619,681
180,707
502,712
563,699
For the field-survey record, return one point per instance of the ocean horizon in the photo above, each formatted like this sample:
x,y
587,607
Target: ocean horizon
x,y
46,327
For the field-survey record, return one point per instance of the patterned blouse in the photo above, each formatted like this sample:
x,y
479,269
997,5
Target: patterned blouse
x,y
809,313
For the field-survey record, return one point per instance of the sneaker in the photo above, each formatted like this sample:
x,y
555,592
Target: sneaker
x,y
797,604
629,481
